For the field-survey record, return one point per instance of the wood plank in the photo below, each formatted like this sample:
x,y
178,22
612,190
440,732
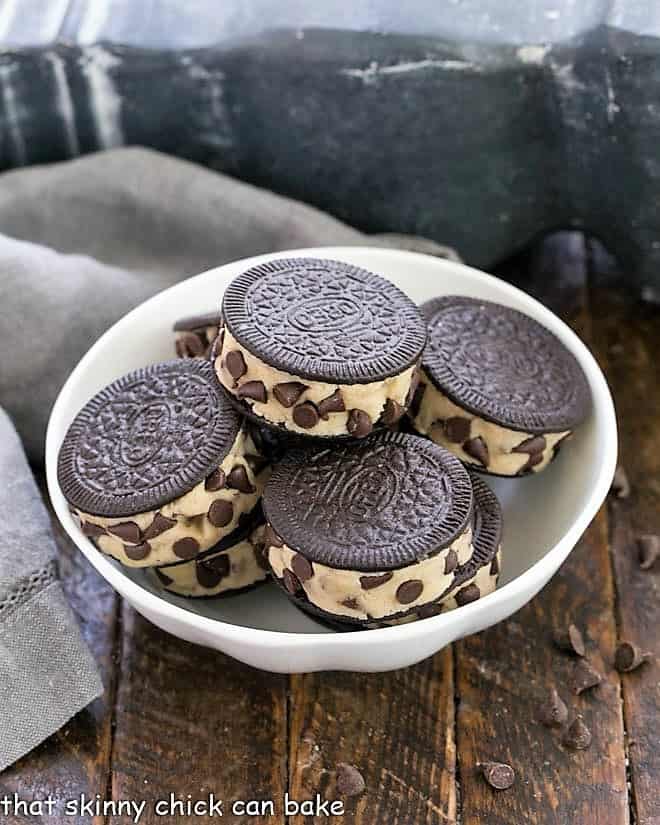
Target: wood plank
x,y
192,721
627,342
76,760
396,728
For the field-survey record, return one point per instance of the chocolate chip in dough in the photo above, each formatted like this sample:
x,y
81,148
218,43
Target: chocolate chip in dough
x,y
370,582
467,594
210,572
235,364
305,415
570,640
584,677
409,591
392,412
92,531
350,781
220,513
629,657
291,581
426,611
649,550
350,602
359,423
238,480
288,392
535,444
478,449
457,429
532,461
161,524
254,390
137,552
499,775
578,735
186,548
333,403
620,483
451,561
302,567
271,539
215,481
553,713
127,531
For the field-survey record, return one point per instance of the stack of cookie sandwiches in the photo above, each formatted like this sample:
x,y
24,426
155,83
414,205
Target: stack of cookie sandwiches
x,y
321,429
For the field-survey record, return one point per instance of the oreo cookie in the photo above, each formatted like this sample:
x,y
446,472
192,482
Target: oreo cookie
x,y
497,388
368,530
158,466
319,348
195,334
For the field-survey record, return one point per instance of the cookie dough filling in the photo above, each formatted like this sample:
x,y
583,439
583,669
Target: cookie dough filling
x,y
312,407
237,566
189,524
477,441
359,595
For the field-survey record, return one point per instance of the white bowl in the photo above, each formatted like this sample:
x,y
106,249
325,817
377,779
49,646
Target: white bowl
x,y
544,515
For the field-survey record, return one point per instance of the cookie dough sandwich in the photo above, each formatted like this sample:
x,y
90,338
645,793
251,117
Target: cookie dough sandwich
x,y
497,388
158,467
368,531
319,347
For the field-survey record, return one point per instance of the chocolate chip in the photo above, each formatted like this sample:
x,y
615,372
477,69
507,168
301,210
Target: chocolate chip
x,y
305,415
254,390
137,552
238,480
350,602
467,594
220,513
578,735
620,483
215,481
649,550
271,539
302,567
584,677
532,461
409,591
451,561
291,581
350,781
457,429
498,775
127,531
629,657
189,345
160,524
186,548
416,401
359,423
535,444
235,364
477,448
333,403
495,567
288,392
261,556
92,531
392,412
164,579
369,582
210,572
426,611
257,463
570,640
553,713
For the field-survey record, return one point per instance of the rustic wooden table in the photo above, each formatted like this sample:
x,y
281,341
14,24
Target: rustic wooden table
x,y
178,718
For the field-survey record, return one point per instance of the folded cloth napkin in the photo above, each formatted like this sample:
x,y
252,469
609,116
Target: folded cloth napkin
x,y
84,242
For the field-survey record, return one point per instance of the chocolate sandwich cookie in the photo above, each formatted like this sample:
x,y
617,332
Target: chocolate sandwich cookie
x,y
320,348
368,530
497,388
234,564
158,466
195,334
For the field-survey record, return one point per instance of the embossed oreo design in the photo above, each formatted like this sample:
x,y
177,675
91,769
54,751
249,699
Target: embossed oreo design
x,y
502,365
324,320
146,439
379,504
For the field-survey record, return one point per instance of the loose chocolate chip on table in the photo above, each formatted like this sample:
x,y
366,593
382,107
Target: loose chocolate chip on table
x,y
408,591
457,429
584,677
257,463
467,594
620,483
235,364
291,581
160,524
477,448
369,582
220,513
127,531
210,572
392,412
271,539
302,567
333,403
359,423
649,550
451,561
578,735
254,390
215,481
137,552
553,713
535,444
570,640
92,531
189,345
164,579
629,657
288,392
305,415
186,548
498,775
350,781
238,480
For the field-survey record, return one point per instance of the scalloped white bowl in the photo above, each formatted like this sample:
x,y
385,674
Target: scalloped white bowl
x,y
544,515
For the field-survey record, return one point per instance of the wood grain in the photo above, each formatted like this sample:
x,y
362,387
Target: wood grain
x,y
627,342
396,728
190,720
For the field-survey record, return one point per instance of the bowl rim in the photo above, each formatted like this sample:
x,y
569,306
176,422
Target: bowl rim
x,y
530,581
